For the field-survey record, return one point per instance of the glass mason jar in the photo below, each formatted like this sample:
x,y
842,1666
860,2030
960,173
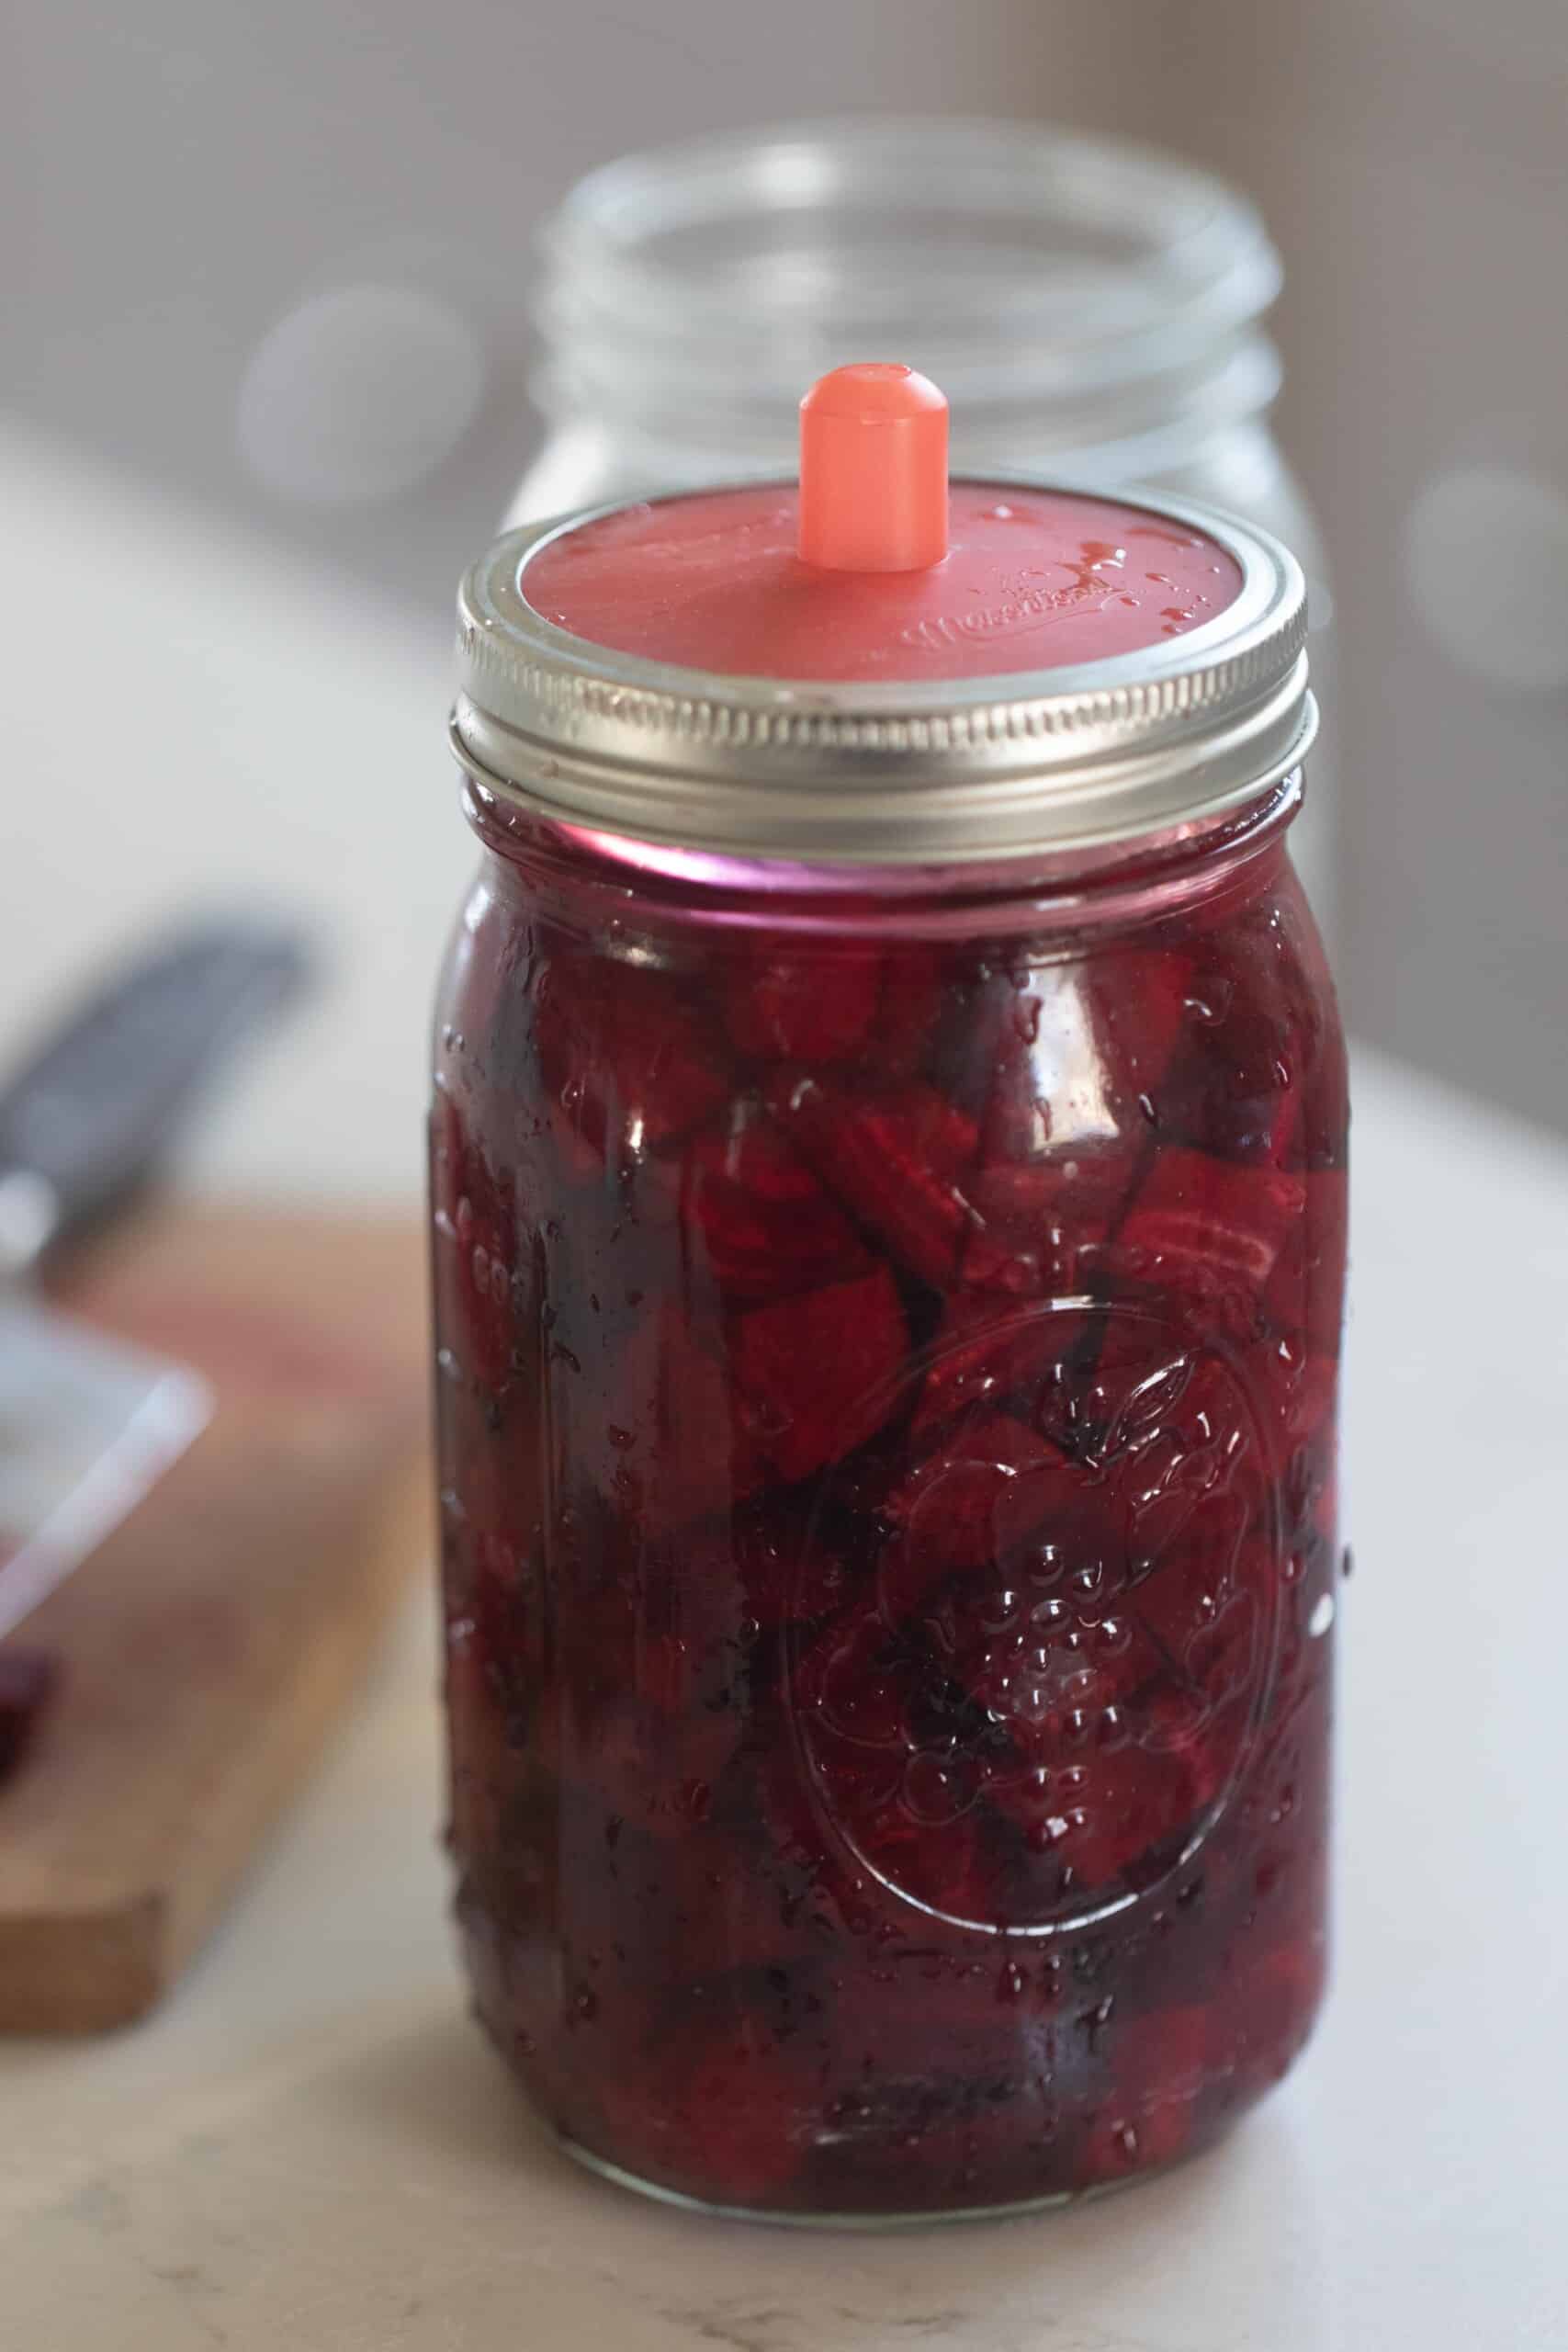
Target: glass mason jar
x,y
888,1167
1090,306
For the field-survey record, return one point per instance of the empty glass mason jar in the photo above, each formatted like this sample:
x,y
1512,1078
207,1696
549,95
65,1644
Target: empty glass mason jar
x,y
1091,307
888,1165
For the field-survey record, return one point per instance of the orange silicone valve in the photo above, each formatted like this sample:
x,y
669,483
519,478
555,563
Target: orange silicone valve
x,y
873,471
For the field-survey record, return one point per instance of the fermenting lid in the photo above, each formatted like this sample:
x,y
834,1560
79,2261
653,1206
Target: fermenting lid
x,y
869,669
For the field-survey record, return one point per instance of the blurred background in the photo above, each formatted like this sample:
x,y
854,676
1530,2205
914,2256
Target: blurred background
x,y
273,305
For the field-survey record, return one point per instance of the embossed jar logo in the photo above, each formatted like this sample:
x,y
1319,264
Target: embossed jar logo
x,y
1048,1691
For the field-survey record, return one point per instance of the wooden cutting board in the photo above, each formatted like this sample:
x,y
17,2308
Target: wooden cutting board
x,y
209,1645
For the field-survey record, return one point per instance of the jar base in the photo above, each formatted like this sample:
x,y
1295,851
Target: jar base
x,y
1058,2200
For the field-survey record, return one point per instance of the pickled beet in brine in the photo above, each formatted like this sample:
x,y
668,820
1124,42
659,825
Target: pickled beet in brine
x,y
888,1228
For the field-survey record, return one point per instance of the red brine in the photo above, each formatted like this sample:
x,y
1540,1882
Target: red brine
x,y
887,1372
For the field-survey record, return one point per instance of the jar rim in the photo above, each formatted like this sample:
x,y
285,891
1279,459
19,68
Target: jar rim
x,y
1028,261
926,772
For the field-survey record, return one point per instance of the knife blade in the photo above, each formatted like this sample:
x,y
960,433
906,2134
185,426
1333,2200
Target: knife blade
x,y
87,1424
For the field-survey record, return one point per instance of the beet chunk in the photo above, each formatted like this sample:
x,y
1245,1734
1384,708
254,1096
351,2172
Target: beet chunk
x,y
819,1004
887,1735
782,1391
1258,1076
759,1218
977,1498
804,1005
1111,1820
986,1355
692,1450
1164,2068
1207,1229
717,2110
627,1061
897,1158
888,1495
786,1568
906,1009
814,1375
476,1252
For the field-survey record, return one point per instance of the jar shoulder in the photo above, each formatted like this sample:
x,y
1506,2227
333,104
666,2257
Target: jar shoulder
x,y
1228,1010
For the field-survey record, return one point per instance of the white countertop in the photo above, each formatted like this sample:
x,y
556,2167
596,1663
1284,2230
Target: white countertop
x,y
193,720
311,2148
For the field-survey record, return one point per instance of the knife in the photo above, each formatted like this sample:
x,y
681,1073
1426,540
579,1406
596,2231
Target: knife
x,y
88,1425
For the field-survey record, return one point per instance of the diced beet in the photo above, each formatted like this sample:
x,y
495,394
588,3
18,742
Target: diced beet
x,y
1207,1232
716,2112
888,1480
476,1244
1300,1362
1259,1076
1124,1823
805,1380
1052,1637
985,1355
1024,1234
1061,1670
503,1749
905,1800
1302,1389
644,1636
861,1682
896,1157
688,1899
627,1063
978,1497
1201,1717
494,1531
1188,1457
985,1055
1306,1288
906,1011
1141,1014
1242,1097
814,1375
928,1838
1178,1588
757,1214
695,1451
815,1003
656,1763
806,1004
28,1678
790,1573
1273,2002
763,1565
1038,1224
950,2059
1096,1383
1164,2067
870,1698
851,1503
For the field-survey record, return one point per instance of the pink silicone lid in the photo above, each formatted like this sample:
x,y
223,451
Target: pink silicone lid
x,y
1030,579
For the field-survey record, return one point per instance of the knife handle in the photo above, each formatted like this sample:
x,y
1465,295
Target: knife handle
x,y
90,1118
